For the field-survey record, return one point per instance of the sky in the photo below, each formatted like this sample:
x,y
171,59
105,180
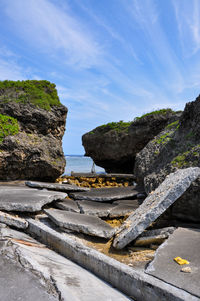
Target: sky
x,y
111,60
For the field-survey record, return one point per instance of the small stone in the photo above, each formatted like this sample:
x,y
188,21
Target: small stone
x,y
186,270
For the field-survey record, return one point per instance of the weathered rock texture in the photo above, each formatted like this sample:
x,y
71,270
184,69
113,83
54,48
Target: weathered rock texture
x,y
177,146
115,145
32,149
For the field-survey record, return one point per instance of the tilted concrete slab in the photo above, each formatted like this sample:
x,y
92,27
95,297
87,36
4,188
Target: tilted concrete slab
x,y
67,280
155,204
68,205
105,194
82,223
132,282
25,199
184,243
55,186
12,220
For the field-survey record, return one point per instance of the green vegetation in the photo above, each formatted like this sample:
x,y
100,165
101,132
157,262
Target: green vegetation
x,y
40,93
164,138
157,112
173,124
188,158
8,126
117,126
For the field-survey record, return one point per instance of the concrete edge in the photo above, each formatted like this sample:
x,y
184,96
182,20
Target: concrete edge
x,y
135,284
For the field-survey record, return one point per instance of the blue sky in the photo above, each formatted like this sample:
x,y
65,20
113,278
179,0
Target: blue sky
x,y
110,59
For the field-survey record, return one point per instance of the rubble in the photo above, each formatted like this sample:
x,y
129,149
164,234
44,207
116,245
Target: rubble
x,y
90,225
12,220
24,199
155,204
106,194
55,186
68,205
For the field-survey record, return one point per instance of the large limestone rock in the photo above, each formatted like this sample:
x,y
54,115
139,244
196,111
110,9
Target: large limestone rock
x,y
115,145
176,147
32,124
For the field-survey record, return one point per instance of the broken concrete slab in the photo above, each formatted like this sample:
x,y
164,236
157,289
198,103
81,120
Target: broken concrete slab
x,y
121,210
90,225
184,243
105,194
71,281
149,240
68,205
163,231
111,210
12,220
132,282
95,208
151,237
135,203
155,204
56,186
25,199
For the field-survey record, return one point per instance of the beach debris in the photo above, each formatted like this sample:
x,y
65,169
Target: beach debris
x,y
155,204
181,261
86,224
186,270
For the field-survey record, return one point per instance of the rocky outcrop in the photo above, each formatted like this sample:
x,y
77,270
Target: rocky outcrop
x,y
176,147
32,122
114,146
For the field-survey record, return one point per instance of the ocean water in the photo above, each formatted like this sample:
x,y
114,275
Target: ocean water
x,y
78,163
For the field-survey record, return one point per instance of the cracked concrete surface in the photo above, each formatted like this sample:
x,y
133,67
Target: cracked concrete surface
x,y
60,276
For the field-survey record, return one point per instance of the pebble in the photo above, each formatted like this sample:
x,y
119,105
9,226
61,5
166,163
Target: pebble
x,y
186,270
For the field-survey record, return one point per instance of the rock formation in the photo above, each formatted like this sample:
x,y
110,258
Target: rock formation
x,y
32,124
114,146
177,146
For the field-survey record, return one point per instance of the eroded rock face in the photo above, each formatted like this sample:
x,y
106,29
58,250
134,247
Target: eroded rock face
x,y
35,151
176,147
115,145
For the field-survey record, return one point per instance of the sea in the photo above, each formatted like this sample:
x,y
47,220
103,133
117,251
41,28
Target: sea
x,y
80,163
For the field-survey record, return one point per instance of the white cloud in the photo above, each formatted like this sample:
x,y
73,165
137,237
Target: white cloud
x,y
51,29
10,70
188,21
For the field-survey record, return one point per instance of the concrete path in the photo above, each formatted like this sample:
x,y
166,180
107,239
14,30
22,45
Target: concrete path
x,y
184,243
72,282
